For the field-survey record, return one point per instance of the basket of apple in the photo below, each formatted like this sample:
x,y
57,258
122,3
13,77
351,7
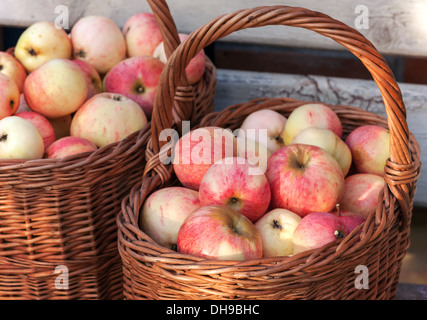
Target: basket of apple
x,y
273,198
75,112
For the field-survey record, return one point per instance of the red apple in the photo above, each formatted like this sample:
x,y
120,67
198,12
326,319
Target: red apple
x,y
197,150
164,211
93,79
265,119
67,146
56,88
235,183
370,148
142,34
40,42
9,96
219,233
99,41
107,118
311,115
196,67
276,228
361,193
137,79
316,230
304,179
13,68
42,124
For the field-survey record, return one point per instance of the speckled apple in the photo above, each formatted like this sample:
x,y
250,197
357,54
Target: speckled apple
x,y
304,179
219,233
68,146
93,79
42,124
9,96
164,211
197,150
235,183
13,68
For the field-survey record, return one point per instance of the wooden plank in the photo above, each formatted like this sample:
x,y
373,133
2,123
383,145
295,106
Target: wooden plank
x,y
241,86
394,26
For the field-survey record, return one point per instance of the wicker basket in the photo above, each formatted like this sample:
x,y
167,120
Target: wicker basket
x,y
154,272
59,215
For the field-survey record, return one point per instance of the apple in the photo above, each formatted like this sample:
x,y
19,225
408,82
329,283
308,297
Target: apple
x,y
11,67
316,230
20,139
69,145
219,233
42,124
42,42
361,193
56,88
350,219
256,153
304,179
370,148
93,79
311,115
197,150
329,141
235,183
142,34
137,79
276,228
269,120
99,41
61,126
23,105
107,118
9,96
196,67
164,211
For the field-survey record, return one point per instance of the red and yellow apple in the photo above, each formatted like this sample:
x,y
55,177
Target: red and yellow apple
x,y
56,88
219,233
142,34
235,183
13,68
197,150
69,145
361,193
136,78
107,118
256,153
273,124
93,79
164,211
40,42
370,148
311,115
196,67
9,96
304,179
99,41
329,141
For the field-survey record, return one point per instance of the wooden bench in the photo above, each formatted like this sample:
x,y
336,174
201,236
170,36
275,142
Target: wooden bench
x,y
398,30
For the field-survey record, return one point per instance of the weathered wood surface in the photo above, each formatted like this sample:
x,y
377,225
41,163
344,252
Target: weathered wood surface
x,y
394,26
241,86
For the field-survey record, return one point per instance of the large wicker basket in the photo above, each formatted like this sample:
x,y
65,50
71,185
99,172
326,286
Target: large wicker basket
x,y
155,272
58,233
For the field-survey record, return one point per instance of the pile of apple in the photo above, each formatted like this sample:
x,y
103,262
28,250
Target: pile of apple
x,y
314,187
65,93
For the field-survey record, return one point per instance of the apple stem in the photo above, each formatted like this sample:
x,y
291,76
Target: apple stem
x,y
338,209
3,137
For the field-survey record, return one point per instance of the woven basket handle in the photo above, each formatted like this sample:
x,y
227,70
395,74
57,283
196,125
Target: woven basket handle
x,y
184,107
400,162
